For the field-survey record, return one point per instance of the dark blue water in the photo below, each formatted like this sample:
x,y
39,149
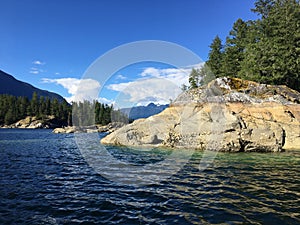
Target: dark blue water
x,y
45,180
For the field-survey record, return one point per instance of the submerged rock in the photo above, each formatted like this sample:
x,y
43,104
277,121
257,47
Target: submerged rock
x,y
228,114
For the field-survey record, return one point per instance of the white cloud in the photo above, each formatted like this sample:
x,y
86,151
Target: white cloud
x,y
38,62
80,89
120,86
145,91
106,101
34,71
155,85
121,77
178,76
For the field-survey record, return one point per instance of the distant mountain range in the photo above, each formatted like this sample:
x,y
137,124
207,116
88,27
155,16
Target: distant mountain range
x,y
143,111
12,86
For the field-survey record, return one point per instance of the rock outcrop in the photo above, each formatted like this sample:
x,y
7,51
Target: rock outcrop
x,y
228,114
32,122
109,128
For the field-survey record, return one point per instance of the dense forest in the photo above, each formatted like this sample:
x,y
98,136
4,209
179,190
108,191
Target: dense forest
x,y
14,108
265,50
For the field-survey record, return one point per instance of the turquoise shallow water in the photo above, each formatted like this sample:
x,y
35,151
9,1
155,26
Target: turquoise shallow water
x,y
45,180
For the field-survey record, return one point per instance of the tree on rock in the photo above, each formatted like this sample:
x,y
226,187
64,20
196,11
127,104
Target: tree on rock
x,y
234,49
215,57
194,78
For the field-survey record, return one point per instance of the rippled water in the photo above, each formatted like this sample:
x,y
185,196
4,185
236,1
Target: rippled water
x,y
45,180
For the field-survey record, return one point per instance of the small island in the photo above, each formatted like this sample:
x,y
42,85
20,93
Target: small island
x,y
227,114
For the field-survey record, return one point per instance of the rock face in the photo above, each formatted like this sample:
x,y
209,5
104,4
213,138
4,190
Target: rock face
x,y
228,114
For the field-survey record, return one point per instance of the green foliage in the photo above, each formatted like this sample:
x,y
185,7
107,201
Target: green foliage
x,y
194,78
265,50
206,74
216,55
85,113
184,87
234,49
263,7
14,108
88,113
199,77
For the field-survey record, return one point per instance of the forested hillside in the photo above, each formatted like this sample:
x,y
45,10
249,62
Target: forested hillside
x,y
14,108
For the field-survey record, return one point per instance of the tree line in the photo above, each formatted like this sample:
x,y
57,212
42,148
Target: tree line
x,y
13,109
88,113
265,50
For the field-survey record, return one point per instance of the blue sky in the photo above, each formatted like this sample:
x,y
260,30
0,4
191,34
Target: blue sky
x,y
43,42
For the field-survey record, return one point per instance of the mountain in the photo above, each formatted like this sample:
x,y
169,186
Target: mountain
x,y
143,111
11,86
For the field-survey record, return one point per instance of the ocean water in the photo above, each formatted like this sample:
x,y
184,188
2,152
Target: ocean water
x,y
44,179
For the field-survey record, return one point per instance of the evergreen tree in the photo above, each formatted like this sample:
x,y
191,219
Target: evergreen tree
x,y
263,7
215,57
266,50
14,108
273,55
206,75
194,78
9,117
34,104
234,49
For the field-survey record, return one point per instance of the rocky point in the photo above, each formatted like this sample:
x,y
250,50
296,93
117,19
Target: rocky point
x,y
228,114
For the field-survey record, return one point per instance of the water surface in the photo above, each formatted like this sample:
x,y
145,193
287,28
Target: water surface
x,y
45,180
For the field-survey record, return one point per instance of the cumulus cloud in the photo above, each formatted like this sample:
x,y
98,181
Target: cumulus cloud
x,y
154,85
145,91
38,62
80,89
119,86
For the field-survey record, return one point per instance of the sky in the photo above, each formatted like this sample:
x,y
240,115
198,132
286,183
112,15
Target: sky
x,y
51,44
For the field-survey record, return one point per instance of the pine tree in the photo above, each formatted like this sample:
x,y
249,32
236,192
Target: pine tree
x,y
234,49
215,57
9,117
194,78
263,7
206,75
34,103
272,55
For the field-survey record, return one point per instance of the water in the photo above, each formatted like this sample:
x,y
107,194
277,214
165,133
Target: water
x,y
45,180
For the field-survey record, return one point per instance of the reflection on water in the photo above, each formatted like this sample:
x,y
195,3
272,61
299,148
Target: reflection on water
x,y
45,180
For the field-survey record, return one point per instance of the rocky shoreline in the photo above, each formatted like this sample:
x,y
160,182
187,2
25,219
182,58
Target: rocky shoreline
x,y
228,114
31,122
89,129
51,123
